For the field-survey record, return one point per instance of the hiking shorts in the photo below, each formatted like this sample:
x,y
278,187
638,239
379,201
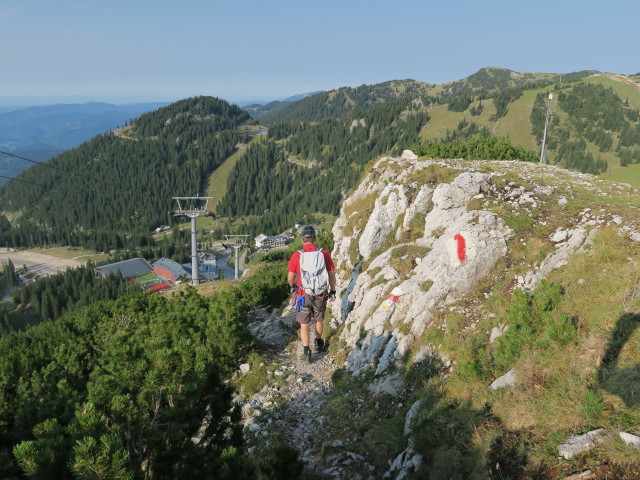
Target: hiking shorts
x,y
313,309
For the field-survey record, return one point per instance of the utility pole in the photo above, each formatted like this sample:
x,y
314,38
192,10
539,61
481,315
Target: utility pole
x,y
239,242
193,210
543,151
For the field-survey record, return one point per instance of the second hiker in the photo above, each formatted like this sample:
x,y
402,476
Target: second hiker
x,y
312,280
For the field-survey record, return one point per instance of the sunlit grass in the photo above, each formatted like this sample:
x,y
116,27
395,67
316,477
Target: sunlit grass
x,y
629,174
516,124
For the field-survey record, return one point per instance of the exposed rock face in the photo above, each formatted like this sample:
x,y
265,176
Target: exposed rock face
x,y
509,379
417,243
391,203
457,248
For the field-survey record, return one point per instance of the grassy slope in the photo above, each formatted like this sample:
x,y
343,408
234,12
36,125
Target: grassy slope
x,y
217,186
552,401
443,120
516,124
73,253
629,174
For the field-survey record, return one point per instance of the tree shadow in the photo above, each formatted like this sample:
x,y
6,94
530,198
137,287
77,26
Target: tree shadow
x,y
623,382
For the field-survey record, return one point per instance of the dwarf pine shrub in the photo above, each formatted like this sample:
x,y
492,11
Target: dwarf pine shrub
x,y
533,324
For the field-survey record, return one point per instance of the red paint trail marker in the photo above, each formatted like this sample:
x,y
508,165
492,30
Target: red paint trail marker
x,y
393,298
462,247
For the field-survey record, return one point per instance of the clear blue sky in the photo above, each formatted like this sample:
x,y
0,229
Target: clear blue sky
x,y
239,50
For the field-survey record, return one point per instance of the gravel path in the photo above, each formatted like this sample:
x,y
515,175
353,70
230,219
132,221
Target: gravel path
x,y
292,411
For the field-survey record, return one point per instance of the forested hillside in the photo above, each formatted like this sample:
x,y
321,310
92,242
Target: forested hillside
x,y
304,168
40,133
340,103
491,80
121,183
133,388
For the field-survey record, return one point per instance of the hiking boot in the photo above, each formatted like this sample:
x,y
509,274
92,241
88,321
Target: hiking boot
x,y
306,354
319,345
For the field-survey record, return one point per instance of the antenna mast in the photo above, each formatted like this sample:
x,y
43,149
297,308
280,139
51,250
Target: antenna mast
x,y
193,210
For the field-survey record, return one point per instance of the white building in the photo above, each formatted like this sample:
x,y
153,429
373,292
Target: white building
x,y
260,240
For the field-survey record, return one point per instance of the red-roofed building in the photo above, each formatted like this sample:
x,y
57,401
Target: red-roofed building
x,y
158,287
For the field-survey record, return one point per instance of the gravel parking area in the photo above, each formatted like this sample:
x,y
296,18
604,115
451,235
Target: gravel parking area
x,y
38,263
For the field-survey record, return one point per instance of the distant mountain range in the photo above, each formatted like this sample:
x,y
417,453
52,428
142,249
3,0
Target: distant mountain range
x,y
39,133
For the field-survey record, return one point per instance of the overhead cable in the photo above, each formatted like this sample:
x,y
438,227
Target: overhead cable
x,y
43,186
56,168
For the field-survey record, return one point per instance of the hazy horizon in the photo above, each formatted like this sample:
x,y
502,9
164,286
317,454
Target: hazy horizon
x,y
262,51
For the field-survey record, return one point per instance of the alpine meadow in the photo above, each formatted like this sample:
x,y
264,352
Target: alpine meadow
x,y
486,239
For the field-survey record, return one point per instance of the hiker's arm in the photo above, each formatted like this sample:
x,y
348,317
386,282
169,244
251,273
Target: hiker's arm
x,y
291,278
332,280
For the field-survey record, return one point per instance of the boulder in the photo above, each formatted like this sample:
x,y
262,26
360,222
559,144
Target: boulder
x,y
509,379
576,444
630,439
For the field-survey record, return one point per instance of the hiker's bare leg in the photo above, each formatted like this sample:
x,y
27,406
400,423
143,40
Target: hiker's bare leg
x,y
304,334
318,330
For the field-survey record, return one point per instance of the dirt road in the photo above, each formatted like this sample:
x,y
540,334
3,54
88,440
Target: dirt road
x,y
626,80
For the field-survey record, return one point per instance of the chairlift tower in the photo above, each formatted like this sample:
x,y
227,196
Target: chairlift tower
x,y
543,151
237,242
193,209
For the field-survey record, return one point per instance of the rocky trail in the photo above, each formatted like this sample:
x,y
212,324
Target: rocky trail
x,y
289,408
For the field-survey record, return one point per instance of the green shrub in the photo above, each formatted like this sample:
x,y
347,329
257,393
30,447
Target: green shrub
x,y
560,330
532,324
478,363
447,464
267,287
441,433
281,462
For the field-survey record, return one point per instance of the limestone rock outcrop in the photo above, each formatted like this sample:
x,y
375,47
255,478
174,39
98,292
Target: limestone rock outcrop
x,y
453,249
419,235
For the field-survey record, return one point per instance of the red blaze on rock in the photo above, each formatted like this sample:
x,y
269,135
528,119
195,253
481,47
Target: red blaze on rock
x,y
462,247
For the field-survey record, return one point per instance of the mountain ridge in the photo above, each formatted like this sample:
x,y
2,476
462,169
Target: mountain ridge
x,y
594,127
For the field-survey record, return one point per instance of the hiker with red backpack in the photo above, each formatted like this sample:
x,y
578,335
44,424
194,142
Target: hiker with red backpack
x,y
312,281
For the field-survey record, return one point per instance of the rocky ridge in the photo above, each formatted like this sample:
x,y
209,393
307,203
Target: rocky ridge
x,y
463,243
412,241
